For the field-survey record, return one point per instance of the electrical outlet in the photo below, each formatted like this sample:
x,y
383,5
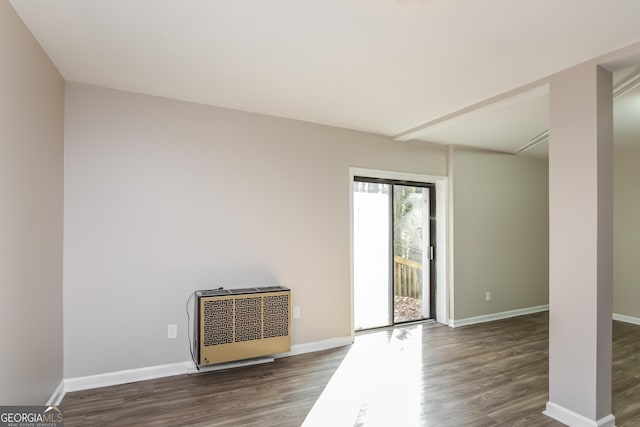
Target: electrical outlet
x,y
296,312
172,331
487,296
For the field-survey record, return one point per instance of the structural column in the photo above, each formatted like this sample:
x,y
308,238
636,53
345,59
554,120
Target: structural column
x,y
581,246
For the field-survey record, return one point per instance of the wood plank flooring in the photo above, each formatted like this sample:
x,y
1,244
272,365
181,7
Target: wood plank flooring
x,y
482,375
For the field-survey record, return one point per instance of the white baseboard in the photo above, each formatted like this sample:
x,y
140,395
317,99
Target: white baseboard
x,y
497,316
126,376
627,319
57,395
312,347
152,372
574,419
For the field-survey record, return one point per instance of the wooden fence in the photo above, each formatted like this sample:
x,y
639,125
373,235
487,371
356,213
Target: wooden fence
x,y
407,278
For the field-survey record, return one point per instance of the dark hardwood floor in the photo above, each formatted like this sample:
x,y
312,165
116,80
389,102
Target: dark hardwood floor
x,y
626,374
482,375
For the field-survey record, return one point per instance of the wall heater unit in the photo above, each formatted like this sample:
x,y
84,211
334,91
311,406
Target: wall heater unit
x,y
235,324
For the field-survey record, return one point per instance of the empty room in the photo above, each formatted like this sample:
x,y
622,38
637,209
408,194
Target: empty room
x,y
320,213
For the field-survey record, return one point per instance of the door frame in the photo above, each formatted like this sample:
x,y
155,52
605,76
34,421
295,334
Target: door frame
x,y
441,233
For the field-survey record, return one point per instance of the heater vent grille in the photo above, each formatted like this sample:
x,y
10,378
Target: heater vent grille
x,y
276,316
242,323
218,322
248,319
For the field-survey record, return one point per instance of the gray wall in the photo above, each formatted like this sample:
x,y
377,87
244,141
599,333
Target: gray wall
x,y
165,197
31,163
626,233
500,226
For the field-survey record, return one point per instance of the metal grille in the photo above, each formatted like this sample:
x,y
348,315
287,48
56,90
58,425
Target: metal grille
x,y
276,316
248,319
218,322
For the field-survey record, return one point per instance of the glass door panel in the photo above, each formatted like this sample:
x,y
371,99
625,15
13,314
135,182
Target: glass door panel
x,y
410,260
371,251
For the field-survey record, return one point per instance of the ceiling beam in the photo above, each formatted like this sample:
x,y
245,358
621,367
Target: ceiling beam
x,y
620,90
504,98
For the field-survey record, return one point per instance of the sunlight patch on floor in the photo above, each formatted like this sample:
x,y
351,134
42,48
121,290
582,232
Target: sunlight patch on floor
x,y
377,384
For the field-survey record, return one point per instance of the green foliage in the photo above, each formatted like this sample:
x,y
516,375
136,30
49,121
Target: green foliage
x,y
407,215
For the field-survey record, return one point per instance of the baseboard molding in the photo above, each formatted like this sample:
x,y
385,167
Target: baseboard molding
x,y
521,312
497,316
626,319
160,371
574,419
312,347
126,376
57,396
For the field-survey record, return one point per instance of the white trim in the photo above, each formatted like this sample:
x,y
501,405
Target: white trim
x,y
450,271
522,311
312,347
497,316
57,395
126,376
351,272
160,371
442,251
627,319
574,419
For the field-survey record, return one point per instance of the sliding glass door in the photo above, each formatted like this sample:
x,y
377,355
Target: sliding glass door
x,y
393,252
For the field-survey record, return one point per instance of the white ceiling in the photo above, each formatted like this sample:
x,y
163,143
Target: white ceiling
x,y
384,66
520,123
506,125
